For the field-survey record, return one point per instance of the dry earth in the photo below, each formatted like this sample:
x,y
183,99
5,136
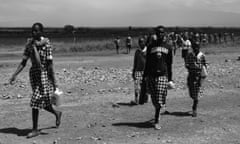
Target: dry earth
x,y
96,109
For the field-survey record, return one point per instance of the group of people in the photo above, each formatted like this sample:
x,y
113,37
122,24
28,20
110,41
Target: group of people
x,y
152,68
128,43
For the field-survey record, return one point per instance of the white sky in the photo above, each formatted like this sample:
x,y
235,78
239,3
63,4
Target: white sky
x,y
120,12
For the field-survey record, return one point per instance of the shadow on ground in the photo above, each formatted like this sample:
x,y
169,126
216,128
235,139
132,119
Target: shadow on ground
x,y
21,132
16,131
178,114
146,124
127,104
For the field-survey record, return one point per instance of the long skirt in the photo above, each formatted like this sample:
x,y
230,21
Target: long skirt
x,y
194,86
137,83
158,90
41,87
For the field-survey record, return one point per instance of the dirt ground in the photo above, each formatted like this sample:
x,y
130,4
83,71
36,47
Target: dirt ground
x,y
96,108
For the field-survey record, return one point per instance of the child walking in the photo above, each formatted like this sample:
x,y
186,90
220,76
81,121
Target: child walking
x,y
196,66
138,68
42,78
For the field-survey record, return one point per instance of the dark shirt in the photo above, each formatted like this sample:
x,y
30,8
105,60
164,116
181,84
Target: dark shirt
x,y
139,61
194,63
159,60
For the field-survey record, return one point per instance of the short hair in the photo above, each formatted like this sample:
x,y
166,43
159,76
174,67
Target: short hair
x,y
196,44
141,39
38,24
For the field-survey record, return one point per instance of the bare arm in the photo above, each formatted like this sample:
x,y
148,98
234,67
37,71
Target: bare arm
x,y
169,64
19,69
36,56
134,64
51,73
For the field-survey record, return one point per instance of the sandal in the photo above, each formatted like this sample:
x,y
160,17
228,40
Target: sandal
x,y
157,126
194,114
58,119
34,133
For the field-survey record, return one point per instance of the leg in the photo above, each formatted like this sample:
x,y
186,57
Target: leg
x,y
58,114
137,94
117,48
164,107
157,107
35,132
157,115
194,107
157,125
35,114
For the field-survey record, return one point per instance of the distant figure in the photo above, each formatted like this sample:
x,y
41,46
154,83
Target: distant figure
x,y
138,68
171,41
209,38
117,44
220,37
174,42
42,79
195,63
178,41
232,37
215,38
225,35
205,38
158,71
186,45
129,44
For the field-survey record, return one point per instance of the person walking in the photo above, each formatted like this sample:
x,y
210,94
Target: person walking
x,y
196,66
138,68
129,44
42,78
158,71
186,45
117,44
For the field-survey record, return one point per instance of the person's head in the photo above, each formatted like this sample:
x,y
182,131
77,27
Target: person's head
x,y
141,43
186,36
160,32
196,47
37,30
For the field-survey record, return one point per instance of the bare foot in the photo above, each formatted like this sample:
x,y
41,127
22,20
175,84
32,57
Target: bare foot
x,y
58,119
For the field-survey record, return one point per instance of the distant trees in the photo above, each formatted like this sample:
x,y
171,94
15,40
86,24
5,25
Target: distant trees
x,y
69,28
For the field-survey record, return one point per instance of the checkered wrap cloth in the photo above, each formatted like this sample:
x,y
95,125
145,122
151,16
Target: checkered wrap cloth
x,y
138,75
194,86
158,89
42,88
194,65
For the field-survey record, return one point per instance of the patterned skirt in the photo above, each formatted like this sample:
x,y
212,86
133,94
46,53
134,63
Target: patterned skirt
x,y
138,81
41,87
194,86
158,90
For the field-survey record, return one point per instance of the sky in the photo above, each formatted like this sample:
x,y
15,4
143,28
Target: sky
x,y
115,13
